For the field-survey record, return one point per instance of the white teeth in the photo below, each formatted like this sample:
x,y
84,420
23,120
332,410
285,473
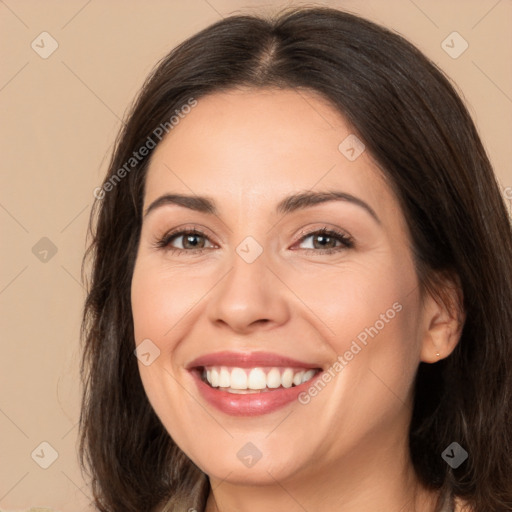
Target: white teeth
x,y
308,375
287,378
297,378
257,379
274,378
214,376
240,380
224,378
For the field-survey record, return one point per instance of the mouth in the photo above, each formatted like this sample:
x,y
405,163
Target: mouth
x,y
255,380
249,384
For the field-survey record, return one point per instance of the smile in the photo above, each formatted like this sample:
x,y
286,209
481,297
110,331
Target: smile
x,y
255,380
250,384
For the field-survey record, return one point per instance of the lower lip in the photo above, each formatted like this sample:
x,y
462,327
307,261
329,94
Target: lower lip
x,y
250,404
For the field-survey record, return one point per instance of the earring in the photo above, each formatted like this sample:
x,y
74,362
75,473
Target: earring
x,y
438,354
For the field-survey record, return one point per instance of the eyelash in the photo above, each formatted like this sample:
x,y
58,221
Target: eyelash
x,y
346,241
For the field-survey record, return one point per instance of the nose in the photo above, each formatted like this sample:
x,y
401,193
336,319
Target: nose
x,y
250,296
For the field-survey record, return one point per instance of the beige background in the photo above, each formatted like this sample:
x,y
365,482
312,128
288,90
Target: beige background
x,y
59,119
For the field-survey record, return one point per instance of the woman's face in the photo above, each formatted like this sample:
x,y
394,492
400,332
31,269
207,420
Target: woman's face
x,y
260,299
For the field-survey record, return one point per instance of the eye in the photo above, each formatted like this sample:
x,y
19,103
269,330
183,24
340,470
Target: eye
x,y
326,240
192,240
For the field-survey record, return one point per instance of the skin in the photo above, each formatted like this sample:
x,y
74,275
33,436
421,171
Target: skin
x,y
346,450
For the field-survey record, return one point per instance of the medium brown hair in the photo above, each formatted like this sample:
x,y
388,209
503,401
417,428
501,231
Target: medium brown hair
x,y
418,130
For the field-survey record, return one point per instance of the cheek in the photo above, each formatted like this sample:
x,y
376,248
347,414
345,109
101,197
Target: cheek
x,y
382,343
161,300
369,317
375,298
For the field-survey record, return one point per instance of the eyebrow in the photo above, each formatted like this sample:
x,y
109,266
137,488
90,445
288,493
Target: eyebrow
x,y
287,205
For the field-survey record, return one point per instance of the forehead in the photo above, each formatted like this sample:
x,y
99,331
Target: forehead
x,y
255,146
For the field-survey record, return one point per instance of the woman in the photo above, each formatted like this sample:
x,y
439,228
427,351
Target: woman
x,y
301,285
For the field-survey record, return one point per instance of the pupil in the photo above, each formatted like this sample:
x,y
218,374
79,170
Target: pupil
x,y
323,237
190,238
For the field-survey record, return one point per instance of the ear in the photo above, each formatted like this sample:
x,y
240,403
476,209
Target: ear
x,y
443,318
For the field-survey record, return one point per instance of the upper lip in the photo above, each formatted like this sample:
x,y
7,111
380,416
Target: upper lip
x,y
248,360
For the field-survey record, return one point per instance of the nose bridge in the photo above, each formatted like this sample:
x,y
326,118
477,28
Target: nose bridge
x,y
249,293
